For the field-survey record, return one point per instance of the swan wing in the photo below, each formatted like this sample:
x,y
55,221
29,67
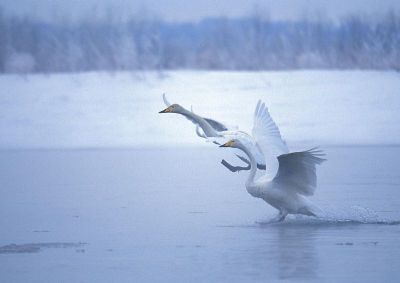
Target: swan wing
x,y
268,139
166,102
218,126
297,171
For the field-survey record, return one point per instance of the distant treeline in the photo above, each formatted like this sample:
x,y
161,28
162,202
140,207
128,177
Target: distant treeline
x,y
251,43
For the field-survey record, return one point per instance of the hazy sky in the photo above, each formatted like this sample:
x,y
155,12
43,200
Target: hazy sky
x,y
174,10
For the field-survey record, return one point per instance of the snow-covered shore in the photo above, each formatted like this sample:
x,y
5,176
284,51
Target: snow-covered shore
x,y
120,110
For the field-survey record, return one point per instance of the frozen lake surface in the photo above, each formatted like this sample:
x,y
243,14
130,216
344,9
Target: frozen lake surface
x,y
176,215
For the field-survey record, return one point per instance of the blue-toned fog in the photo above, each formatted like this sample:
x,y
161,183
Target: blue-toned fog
x,y
96,186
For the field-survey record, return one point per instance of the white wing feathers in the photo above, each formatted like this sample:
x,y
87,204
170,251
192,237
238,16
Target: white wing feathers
x,y
297,171
291,171
166,102
268,139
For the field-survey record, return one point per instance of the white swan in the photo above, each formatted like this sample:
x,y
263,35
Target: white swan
x,y
289,177
210,127
218,133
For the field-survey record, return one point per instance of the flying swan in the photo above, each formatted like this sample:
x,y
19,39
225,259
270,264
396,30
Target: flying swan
x,y
218,133
289,177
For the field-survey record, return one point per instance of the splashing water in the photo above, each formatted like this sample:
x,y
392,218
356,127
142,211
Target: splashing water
x,y
356,214
333,216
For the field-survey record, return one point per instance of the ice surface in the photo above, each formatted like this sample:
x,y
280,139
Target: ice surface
x,y
120,110
177,215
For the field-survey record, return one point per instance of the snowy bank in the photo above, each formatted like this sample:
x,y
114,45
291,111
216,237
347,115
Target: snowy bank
x,y
120,110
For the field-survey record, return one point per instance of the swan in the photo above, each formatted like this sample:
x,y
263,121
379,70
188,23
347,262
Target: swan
x,y
289,176
218,133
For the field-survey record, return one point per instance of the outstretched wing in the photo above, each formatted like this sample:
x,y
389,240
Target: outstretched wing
x,y
166,102
218,126
268,139
297,171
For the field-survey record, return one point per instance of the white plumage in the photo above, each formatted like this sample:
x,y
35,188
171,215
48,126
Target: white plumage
x,y
216,132
289,177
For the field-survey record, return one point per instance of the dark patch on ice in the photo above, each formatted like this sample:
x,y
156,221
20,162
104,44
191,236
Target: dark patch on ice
x,y
41,231
373,243
36,247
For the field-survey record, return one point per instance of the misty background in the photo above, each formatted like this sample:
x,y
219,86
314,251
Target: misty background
x,y
55,36
96,186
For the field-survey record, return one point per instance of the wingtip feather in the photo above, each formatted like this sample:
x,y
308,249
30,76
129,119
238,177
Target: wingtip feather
x,y
166,102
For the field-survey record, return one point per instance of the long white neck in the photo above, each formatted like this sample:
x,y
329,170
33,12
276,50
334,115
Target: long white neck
x,y
253,163
204,125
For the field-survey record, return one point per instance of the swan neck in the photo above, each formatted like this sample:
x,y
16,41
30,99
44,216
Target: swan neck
x,y
253,168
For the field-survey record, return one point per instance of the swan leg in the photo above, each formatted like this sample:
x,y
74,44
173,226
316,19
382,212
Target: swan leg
x,y
280,216
232,168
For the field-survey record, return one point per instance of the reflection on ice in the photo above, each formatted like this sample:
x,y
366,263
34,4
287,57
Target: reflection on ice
x,y
289,249
295,252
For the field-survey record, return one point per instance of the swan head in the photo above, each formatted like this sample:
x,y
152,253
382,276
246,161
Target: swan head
x,y
233,143
174,108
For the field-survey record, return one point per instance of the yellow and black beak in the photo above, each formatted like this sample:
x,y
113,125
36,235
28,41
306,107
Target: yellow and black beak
x,y
166,110
227,144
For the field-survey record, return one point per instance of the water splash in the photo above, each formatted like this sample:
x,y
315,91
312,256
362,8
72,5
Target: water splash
x,y
337,216
355,215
